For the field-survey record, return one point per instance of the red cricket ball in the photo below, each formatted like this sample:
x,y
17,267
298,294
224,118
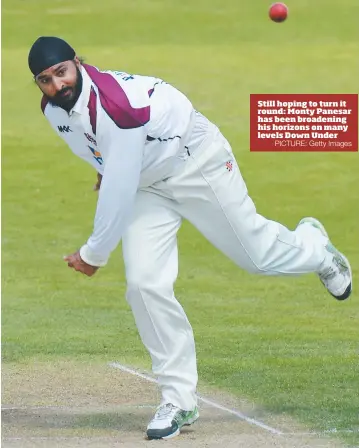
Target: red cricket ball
x,y
278,12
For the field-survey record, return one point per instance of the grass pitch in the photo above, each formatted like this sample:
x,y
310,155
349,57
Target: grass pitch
x,y
283,343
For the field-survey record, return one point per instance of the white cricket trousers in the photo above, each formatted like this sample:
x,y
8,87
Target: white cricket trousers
x,y
214,198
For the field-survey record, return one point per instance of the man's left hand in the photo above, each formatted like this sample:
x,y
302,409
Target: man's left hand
x,y
76,262
97,186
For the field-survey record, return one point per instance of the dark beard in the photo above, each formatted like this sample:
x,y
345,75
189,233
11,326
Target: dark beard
x,y
68,102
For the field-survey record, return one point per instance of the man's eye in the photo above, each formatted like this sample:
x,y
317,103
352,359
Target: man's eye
x,y
44,81
62,71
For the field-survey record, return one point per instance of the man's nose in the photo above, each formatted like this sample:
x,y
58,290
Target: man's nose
x,y
58,84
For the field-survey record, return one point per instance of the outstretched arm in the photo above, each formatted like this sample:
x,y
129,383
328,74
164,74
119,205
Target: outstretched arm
x,y
119,184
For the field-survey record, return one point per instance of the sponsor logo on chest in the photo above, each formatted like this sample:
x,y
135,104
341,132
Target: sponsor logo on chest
x,y
64,128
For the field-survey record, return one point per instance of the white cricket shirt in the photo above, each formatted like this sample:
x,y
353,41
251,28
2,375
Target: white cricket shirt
x,y
134,130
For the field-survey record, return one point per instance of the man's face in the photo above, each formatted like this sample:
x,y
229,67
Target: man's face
x,y
61,83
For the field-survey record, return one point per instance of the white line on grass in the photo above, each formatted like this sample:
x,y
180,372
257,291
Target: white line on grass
x,y
241,416
325,431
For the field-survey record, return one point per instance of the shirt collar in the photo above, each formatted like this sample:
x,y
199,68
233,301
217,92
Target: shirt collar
x,y
83,99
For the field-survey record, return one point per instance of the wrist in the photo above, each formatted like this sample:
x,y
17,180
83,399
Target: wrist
x,y
90,257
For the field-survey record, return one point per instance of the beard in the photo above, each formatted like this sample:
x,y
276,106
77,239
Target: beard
x,y
68,96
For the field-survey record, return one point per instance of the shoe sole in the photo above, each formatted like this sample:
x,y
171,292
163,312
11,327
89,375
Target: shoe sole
x,y
314,222
152,435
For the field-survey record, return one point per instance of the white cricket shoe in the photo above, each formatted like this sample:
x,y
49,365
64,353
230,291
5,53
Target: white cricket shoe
x,y
335,272
168,420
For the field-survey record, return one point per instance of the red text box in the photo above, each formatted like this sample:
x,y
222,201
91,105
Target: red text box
x,y
304,122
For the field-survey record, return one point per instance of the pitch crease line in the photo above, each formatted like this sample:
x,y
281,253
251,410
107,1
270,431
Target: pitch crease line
x,y
238,414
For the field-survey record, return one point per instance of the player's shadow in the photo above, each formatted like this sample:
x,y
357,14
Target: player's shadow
x,y
122,420
132,420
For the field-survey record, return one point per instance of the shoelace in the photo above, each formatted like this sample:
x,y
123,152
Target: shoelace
x,y
165,411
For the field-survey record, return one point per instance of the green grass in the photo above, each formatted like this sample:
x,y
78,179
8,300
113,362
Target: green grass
x,y
284,343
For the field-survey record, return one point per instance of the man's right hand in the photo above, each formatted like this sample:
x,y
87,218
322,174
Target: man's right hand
x,y
97,186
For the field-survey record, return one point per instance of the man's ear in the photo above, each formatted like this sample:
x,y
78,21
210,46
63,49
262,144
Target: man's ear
x,y
77,62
